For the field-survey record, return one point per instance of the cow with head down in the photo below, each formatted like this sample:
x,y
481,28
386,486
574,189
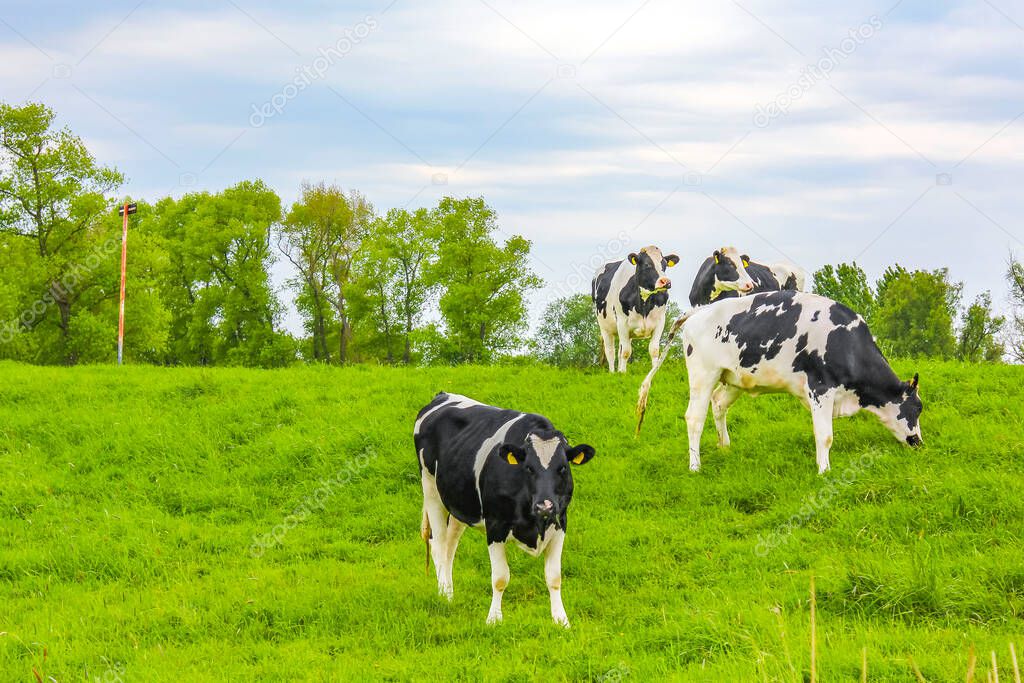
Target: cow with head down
x,y
631,297
803,344
727,274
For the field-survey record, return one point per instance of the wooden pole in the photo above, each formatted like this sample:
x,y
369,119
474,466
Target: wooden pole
x,y
124,264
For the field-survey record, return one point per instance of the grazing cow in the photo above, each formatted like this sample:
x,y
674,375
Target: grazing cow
x,y
631,298
727,274
500,470
812,347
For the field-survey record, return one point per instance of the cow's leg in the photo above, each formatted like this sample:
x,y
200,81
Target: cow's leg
x,y
654,348
553,577
436,516
821,417
451,544
625,347
701,386
608,339
723,397
499,579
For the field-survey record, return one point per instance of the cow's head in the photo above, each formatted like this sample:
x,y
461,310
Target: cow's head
x,y
903,415
730,270
542,467
650,270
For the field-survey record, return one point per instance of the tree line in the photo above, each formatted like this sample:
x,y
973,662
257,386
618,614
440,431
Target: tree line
x,y
428,285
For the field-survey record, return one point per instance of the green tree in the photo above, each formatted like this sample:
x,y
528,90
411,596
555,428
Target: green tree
x,y
53,196
322,236
374,295
308,237
223,308
390,284
979,331
915,312
568,334
848,284
482,284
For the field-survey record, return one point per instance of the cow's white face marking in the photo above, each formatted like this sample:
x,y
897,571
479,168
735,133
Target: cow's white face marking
x,y
889,414
743,282
545,448
656,257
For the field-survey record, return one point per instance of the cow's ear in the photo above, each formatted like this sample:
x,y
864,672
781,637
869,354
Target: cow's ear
x,y
513,455
914,382
580,454
671,260
716,255
746,260
632,259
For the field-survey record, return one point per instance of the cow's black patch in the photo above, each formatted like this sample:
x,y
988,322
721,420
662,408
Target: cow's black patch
x,y
689,349
763,328
814,318
790,282
840,314
600,286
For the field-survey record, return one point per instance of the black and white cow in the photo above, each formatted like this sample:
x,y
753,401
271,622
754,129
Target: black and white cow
x,y
727,274
804,344
501,470
631,298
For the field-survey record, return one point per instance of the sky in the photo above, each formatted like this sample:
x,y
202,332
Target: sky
x,y
875,131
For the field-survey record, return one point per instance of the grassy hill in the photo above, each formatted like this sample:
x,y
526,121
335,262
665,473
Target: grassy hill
x,y
183,524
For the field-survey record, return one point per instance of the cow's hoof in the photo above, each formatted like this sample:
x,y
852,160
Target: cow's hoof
x,y
562,621
494,618
446,592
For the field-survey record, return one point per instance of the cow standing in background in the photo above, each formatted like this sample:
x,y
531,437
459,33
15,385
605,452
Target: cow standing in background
x,y
631,298
803,344
504,471
728,274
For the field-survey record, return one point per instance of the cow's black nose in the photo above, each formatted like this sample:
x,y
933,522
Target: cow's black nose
x,y
545,509
914,440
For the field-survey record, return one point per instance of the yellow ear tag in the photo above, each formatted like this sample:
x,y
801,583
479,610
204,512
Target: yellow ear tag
x,y
578,460
716,259
746,263
511,459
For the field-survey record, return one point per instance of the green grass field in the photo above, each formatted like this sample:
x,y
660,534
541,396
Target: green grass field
x,y
175,524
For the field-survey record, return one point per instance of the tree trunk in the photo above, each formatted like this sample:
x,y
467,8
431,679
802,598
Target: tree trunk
x,y
60,298
343,343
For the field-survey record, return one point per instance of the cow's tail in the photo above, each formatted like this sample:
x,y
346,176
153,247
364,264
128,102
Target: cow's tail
x,y
425,533
645,387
